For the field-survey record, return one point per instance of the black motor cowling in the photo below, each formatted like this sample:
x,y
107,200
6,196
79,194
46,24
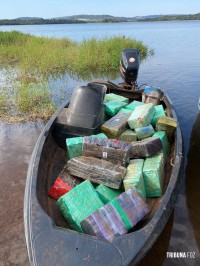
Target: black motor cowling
x,y
129,65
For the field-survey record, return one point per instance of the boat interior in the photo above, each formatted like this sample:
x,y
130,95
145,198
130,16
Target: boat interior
x,y
54,157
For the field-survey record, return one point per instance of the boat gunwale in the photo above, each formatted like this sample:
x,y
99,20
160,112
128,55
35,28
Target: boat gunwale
x,y
167,201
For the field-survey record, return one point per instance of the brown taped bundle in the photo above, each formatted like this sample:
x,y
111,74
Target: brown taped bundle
x,y
97,170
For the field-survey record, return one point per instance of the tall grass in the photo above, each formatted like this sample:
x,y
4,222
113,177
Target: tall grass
x,y
36,56
101,56
35,100
36,59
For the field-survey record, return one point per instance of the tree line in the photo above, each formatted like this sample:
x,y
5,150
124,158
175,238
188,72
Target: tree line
x,y
38,21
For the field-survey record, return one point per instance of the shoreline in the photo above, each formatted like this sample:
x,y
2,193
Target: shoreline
x,y
101,22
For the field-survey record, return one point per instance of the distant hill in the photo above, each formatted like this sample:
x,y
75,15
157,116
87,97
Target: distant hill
x,y
96,19
92,17
28,18
173,17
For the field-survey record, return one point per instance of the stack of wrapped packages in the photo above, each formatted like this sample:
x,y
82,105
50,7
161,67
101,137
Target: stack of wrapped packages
x,y
104,186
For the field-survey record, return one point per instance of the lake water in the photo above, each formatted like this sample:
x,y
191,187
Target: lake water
x,y
175,67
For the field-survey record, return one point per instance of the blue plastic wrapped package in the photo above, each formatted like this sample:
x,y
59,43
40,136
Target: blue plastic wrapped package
x,y
145,93
144,132
154,96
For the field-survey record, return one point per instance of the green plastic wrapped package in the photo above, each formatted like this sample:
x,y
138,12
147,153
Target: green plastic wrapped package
x,y
100,136
134,177
113,107
144,132
159,112
141,116
133,105
124,111
163,137
75,145
106,194
128,135
114,97
153,175
79,203
116,125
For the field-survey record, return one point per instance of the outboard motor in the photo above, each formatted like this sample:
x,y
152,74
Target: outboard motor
x,y
129,65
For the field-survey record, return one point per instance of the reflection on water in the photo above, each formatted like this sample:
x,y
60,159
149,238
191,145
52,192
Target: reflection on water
x,y
16,145
193,180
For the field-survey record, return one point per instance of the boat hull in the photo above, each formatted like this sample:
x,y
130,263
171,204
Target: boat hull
x,y
49,243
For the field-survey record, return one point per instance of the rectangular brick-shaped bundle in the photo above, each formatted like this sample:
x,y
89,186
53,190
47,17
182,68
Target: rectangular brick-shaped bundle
x,y
117,217
116,125
146,147
72,181
163,137
107,194
112,150
78,203
113,107
124,111
58,189
153,175
128,135
75,145
159,112
144,132
134,177
114,97
141,116
133,105
167,124
97,170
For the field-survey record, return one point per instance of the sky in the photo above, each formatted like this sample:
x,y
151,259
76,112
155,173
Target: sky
x,y
128,8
